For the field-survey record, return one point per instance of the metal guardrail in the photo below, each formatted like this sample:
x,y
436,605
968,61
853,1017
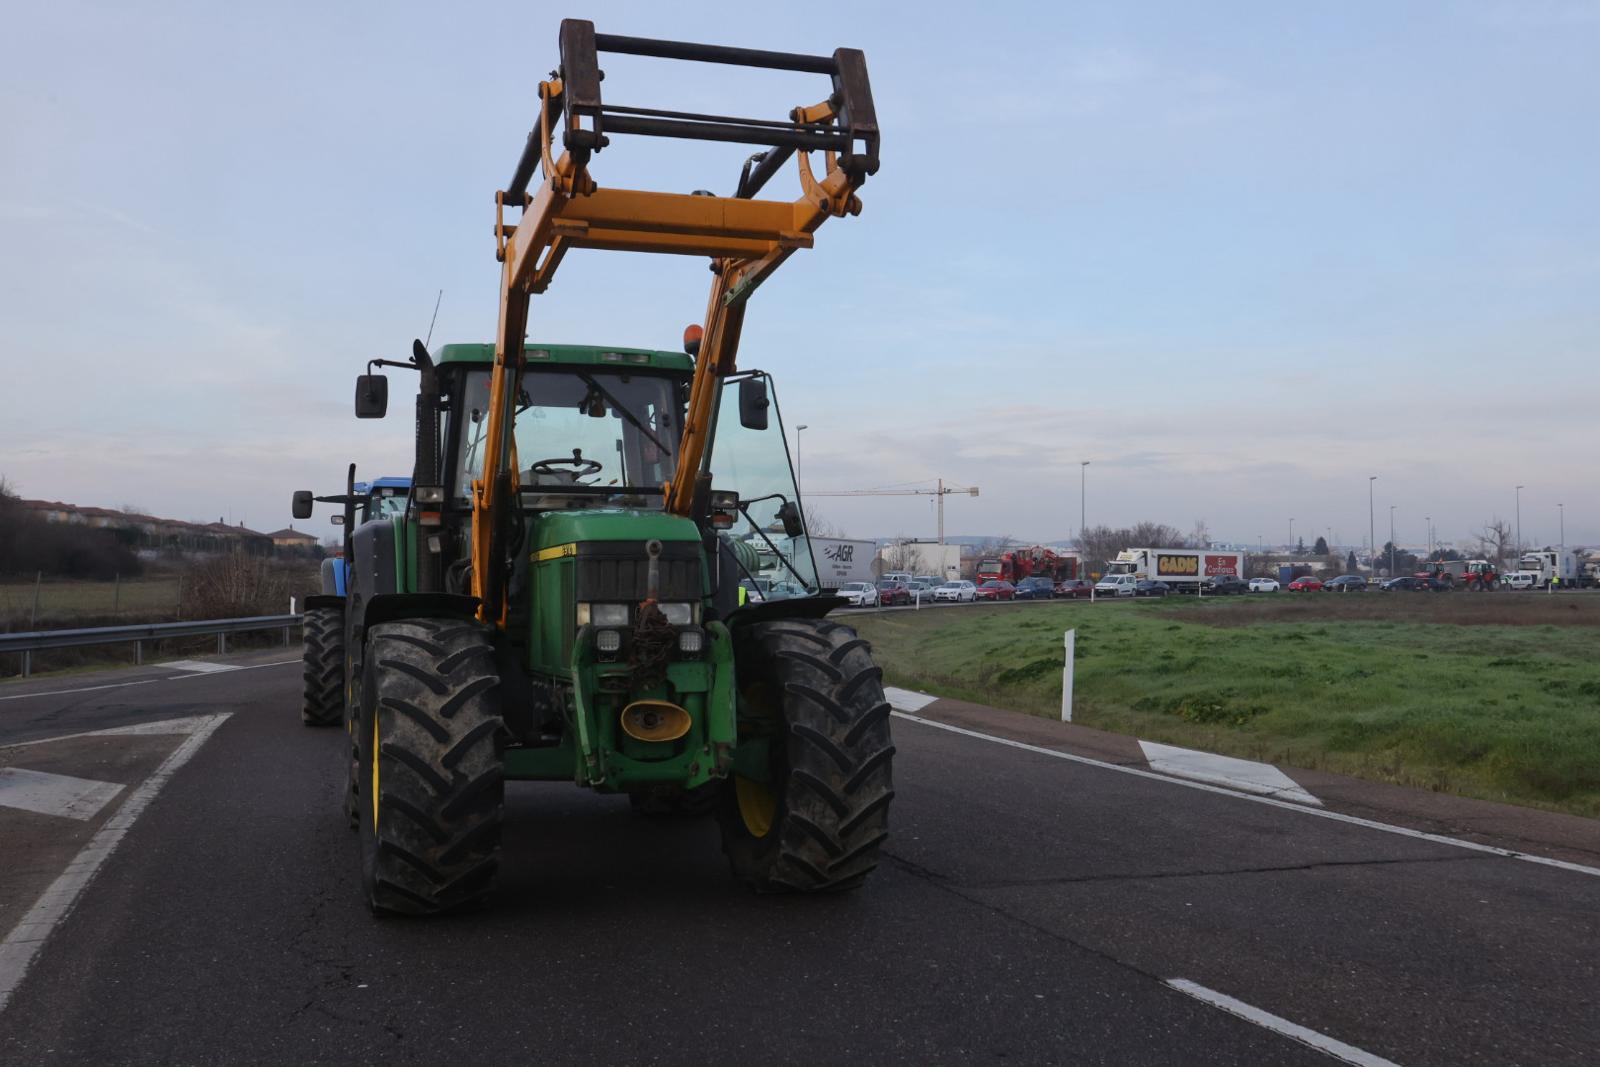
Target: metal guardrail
x,y
41,640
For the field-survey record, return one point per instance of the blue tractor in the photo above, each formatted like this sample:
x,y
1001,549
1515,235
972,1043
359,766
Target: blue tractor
x,y
364,502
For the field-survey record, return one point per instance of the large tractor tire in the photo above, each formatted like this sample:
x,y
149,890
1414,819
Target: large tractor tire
x,y
816,823
430,788
323,656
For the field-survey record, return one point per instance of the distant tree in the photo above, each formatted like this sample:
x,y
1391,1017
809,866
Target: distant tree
x,y
1320,548
1446,554
1260,565
817,525
1100,544
1494,541
1300,547
1404,562
1350,566
1199,536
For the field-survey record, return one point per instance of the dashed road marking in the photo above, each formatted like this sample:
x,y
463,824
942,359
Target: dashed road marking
x,y
54,794
906,699
200,666
23,943
1277,1024
1248,775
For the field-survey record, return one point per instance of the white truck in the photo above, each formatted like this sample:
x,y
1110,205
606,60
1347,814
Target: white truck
x,y
1550,564
838,561
1183,569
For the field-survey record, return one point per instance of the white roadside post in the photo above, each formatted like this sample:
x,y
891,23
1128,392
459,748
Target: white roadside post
x,y
1066,677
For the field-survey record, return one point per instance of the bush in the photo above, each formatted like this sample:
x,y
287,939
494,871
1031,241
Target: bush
x,y
29,545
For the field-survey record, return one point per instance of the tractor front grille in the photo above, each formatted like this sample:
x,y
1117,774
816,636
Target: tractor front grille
x,y
619,571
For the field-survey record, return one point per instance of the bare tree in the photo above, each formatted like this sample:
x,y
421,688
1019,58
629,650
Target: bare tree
x,y
1495,541
817,525
1199,537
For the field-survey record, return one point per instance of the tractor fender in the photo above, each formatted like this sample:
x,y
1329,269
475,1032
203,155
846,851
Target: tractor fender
x,y
324,600
332,575
804,607
389,607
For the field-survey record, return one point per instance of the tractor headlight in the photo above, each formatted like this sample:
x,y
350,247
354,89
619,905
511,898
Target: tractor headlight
x,y
691,641
678,614
602,614
607,642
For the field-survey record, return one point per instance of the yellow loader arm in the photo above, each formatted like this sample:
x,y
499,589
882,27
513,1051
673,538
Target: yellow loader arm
x,y
745,238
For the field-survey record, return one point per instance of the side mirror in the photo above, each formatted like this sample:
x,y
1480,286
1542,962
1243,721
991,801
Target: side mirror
x,y
337,520
753,403
302,504
372,396
789,515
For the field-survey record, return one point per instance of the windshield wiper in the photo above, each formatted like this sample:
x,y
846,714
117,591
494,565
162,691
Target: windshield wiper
x,y
622,409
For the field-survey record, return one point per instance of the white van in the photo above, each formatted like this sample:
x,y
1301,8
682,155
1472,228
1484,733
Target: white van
x,y
1117,585
1519,580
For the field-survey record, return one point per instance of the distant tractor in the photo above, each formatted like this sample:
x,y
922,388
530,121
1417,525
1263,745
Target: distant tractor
x,y
561,599
323,697
1475,575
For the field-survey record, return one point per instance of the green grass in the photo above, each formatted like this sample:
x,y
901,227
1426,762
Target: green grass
x,y
1487,695
65,600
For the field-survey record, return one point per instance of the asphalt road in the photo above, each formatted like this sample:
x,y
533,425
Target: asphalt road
x,y
1030,910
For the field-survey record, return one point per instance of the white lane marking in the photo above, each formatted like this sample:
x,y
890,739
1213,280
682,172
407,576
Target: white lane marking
x,y
906,699
23,943
1279,1025
165,726
199,666
54,794
141,681
1272,802
1244,774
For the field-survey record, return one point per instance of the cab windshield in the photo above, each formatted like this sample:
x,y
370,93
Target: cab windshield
x,y
585,429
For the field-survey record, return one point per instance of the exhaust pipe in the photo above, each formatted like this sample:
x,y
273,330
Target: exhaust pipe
x,y
654,720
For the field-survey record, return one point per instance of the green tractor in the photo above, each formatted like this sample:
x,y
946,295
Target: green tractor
x,y
562,598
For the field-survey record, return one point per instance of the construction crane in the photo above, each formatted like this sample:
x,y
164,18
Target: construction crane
x,y
941,492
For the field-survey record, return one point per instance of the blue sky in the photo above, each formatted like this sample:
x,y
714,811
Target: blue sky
x,y
1239,256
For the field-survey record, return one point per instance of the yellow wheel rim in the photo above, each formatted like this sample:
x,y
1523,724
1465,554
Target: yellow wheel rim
x,y
374,770
758,805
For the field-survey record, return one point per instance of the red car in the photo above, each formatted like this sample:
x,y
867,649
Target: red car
x,y
891,592
997,590
1074,587
1305,584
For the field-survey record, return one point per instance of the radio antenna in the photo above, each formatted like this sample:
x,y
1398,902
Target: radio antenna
x,y
437,301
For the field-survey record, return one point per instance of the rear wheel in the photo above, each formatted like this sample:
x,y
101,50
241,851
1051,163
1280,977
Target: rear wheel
x,y
816,822
322,703
430,787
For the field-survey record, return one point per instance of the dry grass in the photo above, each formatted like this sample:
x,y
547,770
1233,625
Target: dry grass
x,y
1454,609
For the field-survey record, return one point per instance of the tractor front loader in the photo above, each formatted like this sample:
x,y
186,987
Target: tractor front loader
x,y
562,599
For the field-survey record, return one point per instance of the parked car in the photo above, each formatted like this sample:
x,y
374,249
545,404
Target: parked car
x,y
785,590
1074,587
1116,585
1151,587
892,592
932,581
1264,585
1225,584
1414,584
1035,589
956,592
1000,589
1519,580
1345,583
860,594
1306,584
922,592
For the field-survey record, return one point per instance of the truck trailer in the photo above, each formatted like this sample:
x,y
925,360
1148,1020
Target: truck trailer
x,y
1181,568
1549,564
839,561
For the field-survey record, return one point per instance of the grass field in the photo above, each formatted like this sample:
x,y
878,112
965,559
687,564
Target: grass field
x,y
65,600
1487,695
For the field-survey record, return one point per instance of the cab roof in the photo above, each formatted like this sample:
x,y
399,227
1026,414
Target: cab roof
x,y
585,355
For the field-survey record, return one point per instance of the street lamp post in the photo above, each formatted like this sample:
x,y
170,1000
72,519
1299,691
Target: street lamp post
x,y
1391,540
799,464
1083,498
1291,533
1372,526
1428,522
1518,552
1562,508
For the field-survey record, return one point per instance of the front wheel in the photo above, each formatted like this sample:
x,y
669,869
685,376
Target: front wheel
x,y
430,780
815,820
322,658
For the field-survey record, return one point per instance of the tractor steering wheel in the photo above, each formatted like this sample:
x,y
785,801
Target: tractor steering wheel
x,y
579,466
